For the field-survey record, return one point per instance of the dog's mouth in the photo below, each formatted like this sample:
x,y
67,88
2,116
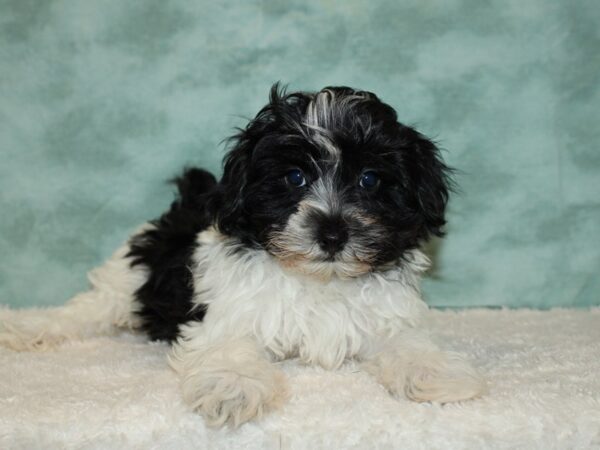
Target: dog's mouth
x,y
325,270
310,261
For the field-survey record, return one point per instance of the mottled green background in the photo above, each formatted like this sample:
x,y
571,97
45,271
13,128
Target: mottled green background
x,y
100,101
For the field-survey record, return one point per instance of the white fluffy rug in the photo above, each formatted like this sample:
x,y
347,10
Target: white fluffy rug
x,y
544,392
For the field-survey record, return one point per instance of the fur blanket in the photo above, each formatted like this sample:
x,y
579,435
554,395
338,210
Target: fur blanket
x,y
543,369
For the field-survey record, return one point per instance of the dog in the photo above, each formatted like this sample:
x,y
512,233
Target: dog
x,y
307,248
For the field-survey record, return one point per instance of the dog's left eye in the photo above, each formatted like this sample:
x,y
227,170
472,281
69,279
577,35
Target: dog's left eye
x,y
296,178
369,180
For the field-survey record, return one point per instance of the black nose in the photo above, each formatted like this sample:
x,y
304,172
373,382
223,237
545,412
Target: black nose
x,y
332,236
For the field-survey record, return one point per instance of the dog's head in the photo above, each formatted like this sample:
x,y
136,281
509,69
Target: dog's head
x,y
330,183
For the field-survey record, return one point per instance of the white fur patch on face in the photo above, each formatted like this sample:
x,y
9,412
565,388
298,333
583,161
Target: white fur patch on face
x,y
324,196
319,111
324,114
320,121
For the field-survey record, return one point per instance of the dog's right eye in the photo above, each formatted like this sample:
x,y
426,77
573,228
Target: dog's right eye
x,y
369,180
295,178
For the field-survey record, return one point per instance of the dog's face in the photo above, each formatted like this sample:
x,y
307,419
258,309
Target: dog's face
x,y
330,183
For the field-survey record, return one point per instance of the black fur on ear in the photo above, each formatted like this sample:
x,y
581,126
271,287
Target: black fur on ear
x,y
229,217
282,111
431,182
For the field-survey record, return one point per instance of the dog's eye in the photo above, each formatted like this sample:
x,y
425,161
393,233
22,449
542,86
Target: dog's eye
x,y
296,178
369,180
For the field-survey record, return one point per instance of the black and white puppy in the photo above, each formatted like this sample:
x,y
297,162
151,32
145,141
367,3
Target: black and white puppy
x,y
307,248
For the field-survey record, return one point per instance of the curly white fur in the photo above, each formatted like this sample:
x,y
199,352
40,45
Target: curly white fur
x,y
231,381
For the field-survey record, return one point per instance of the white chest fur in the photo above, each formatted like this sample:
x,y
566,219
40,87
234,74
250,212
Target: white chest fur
x,y
249,294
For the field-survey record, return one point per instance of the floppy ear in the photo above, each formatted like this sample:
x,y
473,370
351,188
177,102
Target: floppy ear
x,y
431,183
230,211
230,217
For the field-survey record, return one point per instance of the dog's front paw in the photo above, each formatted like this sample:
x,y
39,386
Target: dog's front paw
x,y
428,376
234,398
442,377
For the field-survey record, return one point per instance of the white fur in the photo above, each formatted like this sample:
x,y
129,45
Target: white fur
x,y
259,313
324,113
109,305
252,299
410,365
319,120
230,381
250,294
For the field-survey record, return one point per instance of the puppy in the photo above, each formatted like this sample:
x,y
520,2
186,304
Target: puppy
x,y
307,248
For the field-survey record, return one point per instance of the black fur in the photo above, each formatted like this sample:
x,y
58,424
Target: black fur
x,y
166,251
253,200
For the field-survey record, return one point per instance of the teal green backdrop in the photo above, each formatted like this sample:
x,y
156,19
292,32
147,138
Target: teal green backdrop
x,y
101,101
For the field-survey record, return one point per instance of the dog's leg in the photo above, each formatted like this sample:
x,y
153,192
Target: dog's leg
x,y
107,306
411,365
227,380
